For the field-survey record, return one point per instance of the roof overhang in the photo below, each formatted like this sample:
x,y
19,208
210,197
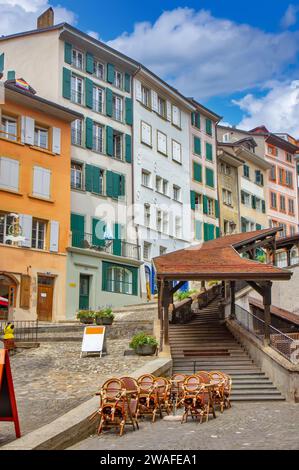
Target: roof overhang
x,y
229,157
256,159
281,143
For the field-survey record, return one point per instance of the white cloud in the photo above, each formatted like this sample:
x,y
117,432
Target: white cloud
x,y
278,110
21,15
205,56
93,34
290,16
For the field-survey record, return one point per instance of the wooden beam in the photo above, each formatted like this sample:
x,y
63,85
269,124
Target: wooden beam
x,y
256,287
233,299
166,302
174,289
267,310
254,245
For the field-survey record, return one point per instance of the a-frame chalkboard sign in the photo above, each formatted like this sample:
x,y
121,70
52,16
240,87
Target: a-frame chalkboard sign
x,y
8,405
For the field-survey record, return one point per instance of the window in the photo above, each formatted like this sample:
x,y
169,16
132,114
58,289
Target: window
x,y
291,207
197,172
77,132
162,185
119,280
228,227
159,220
211,207
117,145
8,128
292,232
146,178
41,137
258,204
145,96
227,197
198,202
161,107
6,222
161,142
9,173
178,226
176,116
147,250
165,220
176,193
162,250
225,169
210,177
97,137
246,171
282,203
283,233
289,179
226,137
117,108
76,89
271,150
77,59
118,79
273,173
273,198
289,157
147,215
281,176
41,182
176,151
196,145
158,184
195,119
245,199
98,99
259,177
146,133
99,69
209,126
38,234
165,187
76,175
198,230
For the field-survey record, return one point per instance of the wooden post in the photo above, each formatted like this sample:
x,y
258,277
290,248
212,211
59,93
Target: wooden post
x,y
267,310
166,301
289,257
232,299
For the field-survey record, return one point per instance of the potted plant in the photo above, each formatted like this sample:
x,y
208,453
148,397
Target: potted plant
x,y
104,316
144,344
86,316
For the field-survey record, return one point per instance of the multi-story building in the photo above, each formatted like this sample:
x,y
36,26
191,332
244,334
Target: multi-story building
x,y
203,173
280,152
77,71
35,157
161,169
252,177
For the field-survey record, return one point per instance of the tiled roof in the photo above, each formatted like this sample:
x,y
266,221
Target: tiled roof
x,y
218,259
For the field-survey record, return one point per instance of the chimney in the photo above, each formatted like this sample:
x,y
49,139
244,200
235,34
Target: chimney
x,y
46,19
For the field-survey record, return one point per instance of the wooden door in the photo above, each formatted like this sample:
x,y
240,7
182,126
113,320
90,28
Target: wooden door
x,y
84,292
45,298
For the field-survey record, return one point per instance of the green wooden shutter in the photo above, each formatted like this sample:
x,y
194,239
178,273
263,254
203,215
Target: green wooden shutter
x,y
88,177
109,183
209,126
192,199
206,232
129,111
127,82
134,272
109,141
89,133
211,231
264,207
209,151
197,120
193,118
253,202
128,156
198,230
122,185
197,145
205,204
242,197
243,222
2,62
68,53
96,187
88,93
77,228
66,83
109,102
197,172
110,73
89,63
98,230
258,226
105,267
11,75
117,240
116,185
217,232
210,177
216,209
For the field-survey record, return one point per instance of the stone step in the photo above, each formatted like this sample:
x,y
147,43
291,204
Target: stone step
x,y
258,397
250,391
252,386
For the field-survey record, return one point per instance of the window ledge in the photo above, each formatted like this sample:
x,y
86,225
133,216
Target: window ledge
x,y
147,187
147,145
12,191
176,126
40,198
41,149
162,153
12,141
176,161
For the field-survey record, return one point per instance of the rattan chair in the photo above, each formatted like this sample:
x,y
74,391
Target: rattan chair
x,y
132,390
193,399
227,390
148,397
164,394
204,376
218,393
177,381
113,410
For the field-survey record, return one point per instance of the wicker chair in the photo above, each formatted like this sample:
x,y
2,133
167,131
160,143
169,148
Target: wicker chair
x,y
132,390
194,399
164,394
148,397
113,408
204,376
218,392
227,390
177,381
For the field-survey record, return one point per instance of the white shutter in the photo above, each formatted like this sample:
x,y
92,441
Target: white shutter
x,y
9,173
138,90
41,182
146,133
168,111
56,139
23,129
29,130
176,151
176,116
154,101
162,142
26,226
54,235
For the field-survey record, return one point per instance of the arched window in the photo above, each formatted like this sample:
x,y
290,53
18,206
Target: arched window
x,y
119,280
8,293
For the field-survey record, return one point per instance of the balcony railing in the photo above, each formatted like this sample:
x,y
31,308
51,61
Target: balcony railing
x,y
89,241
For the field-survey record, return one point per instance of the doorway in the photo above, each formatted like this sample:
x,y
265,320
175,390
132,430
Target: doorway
x,y
45,297
8,290
84,292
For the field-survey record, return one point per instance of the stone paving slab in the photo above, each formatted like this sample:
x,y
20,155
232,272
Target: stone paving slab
x,y
52,379
244,426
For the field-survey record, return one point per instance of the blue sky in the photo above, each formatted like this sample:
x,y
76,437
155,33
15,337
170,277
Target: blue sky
x,y
238,58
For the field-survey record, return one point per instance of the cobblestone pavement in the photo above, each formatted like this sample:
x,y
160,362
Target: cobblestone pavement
x,y
244,426
52,379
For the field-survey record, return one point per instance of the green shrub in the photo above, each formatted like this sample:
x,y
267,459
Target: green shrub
x,y
85,314
104,313
141,339
181,295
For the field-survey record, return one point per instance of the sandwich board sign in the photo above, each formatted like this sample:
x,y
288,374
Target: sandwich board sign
x,y
8,405
93,340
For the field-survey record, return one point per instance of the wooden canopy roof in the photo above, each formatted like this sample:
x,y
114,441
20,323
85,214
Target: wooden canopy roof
x,y
219,260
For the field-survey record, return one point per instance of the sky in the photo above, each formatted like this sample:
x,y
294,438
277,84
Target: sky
x,y
240,59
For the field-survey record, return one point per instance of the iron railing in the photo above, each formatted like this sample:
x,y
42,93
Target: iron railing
x,y
25,331
89,241
250,322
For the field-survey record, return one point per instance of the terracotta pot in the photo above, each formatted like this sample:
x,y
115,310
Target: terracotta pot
x,y
86,321
104,321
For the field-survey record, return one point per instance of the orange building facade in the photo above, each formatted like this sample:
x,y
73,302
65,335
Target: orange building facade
x,y
35,140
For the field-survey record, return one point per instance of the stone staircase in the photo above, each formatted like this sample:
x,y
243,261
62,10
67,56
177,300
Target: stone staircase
x,y
206,344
